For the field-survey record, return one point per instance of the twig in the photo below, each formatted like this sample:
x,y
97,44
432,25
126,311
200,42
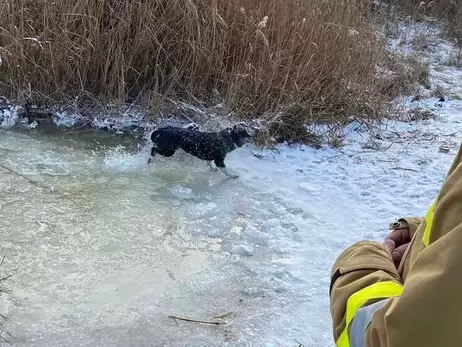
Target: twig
x,y
23,176
196,321
5,278
340,151
4,331
4,319
386,149
404,168
258,156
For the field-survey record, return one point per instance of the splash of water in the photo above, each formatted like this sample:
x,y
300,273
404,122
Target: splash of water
x,y
118,159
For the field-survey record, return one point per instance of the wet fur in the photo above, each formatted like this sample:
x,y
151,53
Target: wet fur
x,y
210,146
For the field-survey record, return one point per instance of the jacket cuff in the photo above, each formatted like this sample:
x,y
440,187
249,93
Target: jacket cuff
x,y
411,222
363,255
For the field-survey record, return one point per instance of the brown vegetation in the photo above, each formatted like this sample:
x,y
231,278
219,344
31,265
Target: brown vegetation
x,y
290,62
447,11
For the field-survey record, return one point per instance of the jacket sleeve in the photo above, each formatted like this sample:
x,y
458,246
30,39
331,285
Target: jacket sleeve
x,y
361,266
363,274
412,222
369,305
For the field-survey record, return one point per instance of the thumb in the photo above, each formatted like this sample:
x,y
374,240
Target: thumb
x,y
401,249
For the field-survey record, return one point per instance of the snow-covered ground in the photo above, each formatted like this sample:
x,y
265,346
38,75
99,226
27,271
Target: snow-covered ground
x,y
104,249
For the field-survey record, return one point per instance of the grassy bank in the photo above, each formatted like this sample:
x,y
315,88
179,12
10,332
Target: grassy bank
x,y
448,12
289,62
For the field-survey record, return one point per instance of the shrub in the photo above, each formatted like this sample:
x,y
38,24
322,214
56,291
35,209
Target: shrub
x,y
290,62
447,11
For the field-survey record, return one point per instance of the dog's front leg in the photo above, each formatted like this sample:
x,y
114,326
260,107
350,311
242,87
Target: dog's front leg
x,y
153,154
221,165
211,166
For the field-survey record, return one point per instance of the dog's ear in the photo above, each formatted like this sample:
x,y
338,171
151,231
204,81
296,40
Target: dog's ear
x,y
239,126
242,127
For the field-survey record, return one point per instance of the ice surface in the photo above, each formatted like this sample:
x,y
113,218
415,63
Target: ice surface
x,y
117,246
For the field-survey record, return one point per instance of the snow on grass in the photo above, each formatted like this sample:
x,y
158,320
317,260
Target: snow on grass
x,y
425,41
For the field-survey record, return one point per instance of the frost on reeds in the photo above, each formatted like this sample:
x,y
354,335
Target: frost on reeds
x,y
192,10
307,61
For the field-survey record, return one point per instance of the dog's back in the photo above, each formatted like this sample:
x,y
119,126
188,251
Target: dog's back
x,y
167,137
210,146
204,145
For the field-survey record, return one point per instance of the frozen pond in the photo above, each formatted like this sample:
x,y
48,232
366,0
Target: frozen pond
x,y
104,248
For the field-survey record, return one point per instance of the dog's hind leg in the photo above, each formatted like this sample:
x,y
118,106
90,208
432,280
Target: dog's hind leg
x,y
211,166
220,163
153,154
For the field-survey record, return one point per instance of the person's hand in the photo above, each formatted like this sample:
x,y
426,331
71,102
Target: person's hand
x,y
397,242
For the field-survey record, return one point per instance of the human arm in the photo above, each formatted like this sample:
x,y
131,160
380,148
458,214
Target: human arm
x,y
426,310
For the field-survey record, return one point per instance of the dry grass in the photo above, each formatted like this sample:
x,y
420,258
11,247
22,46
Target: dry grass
x,y
420,114
289,62
448,11
405,75
454,58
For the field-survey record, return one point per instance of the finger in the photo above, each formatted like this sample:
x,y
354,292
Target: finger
x,y
401,249
399,236
398,252
396,258
390,244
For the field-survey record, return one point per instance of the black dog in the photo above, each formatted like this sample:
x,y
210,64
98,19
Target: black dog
x,y
210,146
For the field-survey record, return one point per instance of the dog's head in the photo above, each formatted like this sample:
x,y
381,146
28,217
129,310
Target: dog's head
x,y
240,134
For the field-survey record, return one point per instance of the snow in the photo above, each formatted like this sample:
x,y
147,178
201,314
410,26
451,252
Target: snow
x,y
119,246
67,119
9,117
425,42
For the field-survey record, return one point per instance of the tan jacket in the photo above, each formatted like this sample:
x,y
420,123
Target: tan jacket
x,y
418,305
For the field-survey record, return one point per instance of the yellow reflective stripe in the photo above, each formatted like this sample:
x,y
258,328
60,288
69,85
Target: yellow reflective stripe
x,y
378,290
428,224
